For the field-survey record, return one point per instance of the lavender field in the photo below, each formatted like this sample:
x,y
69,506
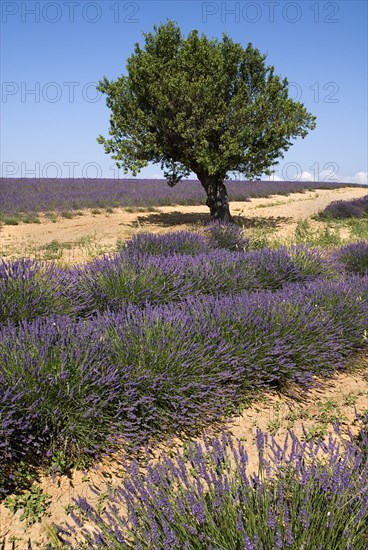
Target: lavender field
x,y
37,195
170,335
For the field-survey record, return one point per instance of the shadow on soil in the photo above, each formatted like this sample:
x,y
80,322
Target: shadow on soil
x,y
167,219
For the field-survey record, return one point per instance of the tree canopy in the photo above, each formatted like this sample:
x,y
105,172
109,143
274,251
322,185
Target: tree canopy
x,y
200,105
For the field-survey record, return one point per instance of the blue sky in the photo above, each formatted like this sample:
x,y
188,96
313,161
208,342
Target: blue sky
x,y
54,52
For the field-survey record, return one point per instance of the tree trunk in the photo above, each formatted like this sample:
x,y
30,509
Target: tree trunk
x,y
217,199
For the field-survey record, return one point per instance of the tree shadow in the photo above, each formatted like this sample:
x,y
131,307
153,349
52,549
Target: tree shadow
x,y
168,219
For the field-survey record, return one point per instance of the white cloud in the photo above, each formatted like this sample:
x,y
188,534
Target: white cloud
x,y
275,177
306,176
331,175
328,175
360,177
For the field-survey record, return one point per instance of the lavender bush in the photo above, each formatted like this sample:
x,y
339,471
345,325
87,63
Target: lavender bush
x,y
30,289
357,208
305,495
57,391
354,257
133,277
176,242
36,195
217,235
362,437
227,236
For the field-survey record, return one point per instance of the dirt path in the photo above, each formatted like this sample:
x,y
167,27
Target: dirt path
x,y
101,231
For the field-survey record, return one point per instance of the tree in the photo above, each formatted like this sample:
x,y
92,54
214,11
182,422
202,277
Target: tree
x,y
200,105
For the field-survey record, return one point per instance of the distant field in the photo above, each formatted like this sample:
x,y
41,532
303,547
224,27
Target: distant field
x,y
41,195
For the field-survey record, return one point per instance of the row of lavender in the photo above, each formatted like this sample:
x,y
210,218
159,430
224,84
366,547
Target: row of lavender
x,y
36,195
306,495
158,269
357,208
141,373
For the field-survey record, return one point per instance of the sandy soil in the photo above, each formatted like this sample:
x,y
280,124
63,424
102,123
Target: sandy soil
x,y
273,412
101,231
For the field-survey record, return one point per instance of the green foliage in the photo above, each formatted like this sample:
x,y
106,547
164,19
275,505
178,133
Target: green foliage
x,y
31,218
52,216
202,105
33,502
15,219
262,238
68,215
326,238
59,463
53,250
359,227
11,220
24,476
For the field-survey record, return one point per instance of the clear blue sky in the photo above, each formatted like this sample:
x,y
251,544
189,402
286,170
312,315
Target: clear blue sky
x,y
61,49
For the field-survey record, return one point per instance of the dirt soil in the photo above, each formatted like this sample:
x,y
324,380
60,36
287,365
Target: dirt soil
x,y
274,413
101,231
